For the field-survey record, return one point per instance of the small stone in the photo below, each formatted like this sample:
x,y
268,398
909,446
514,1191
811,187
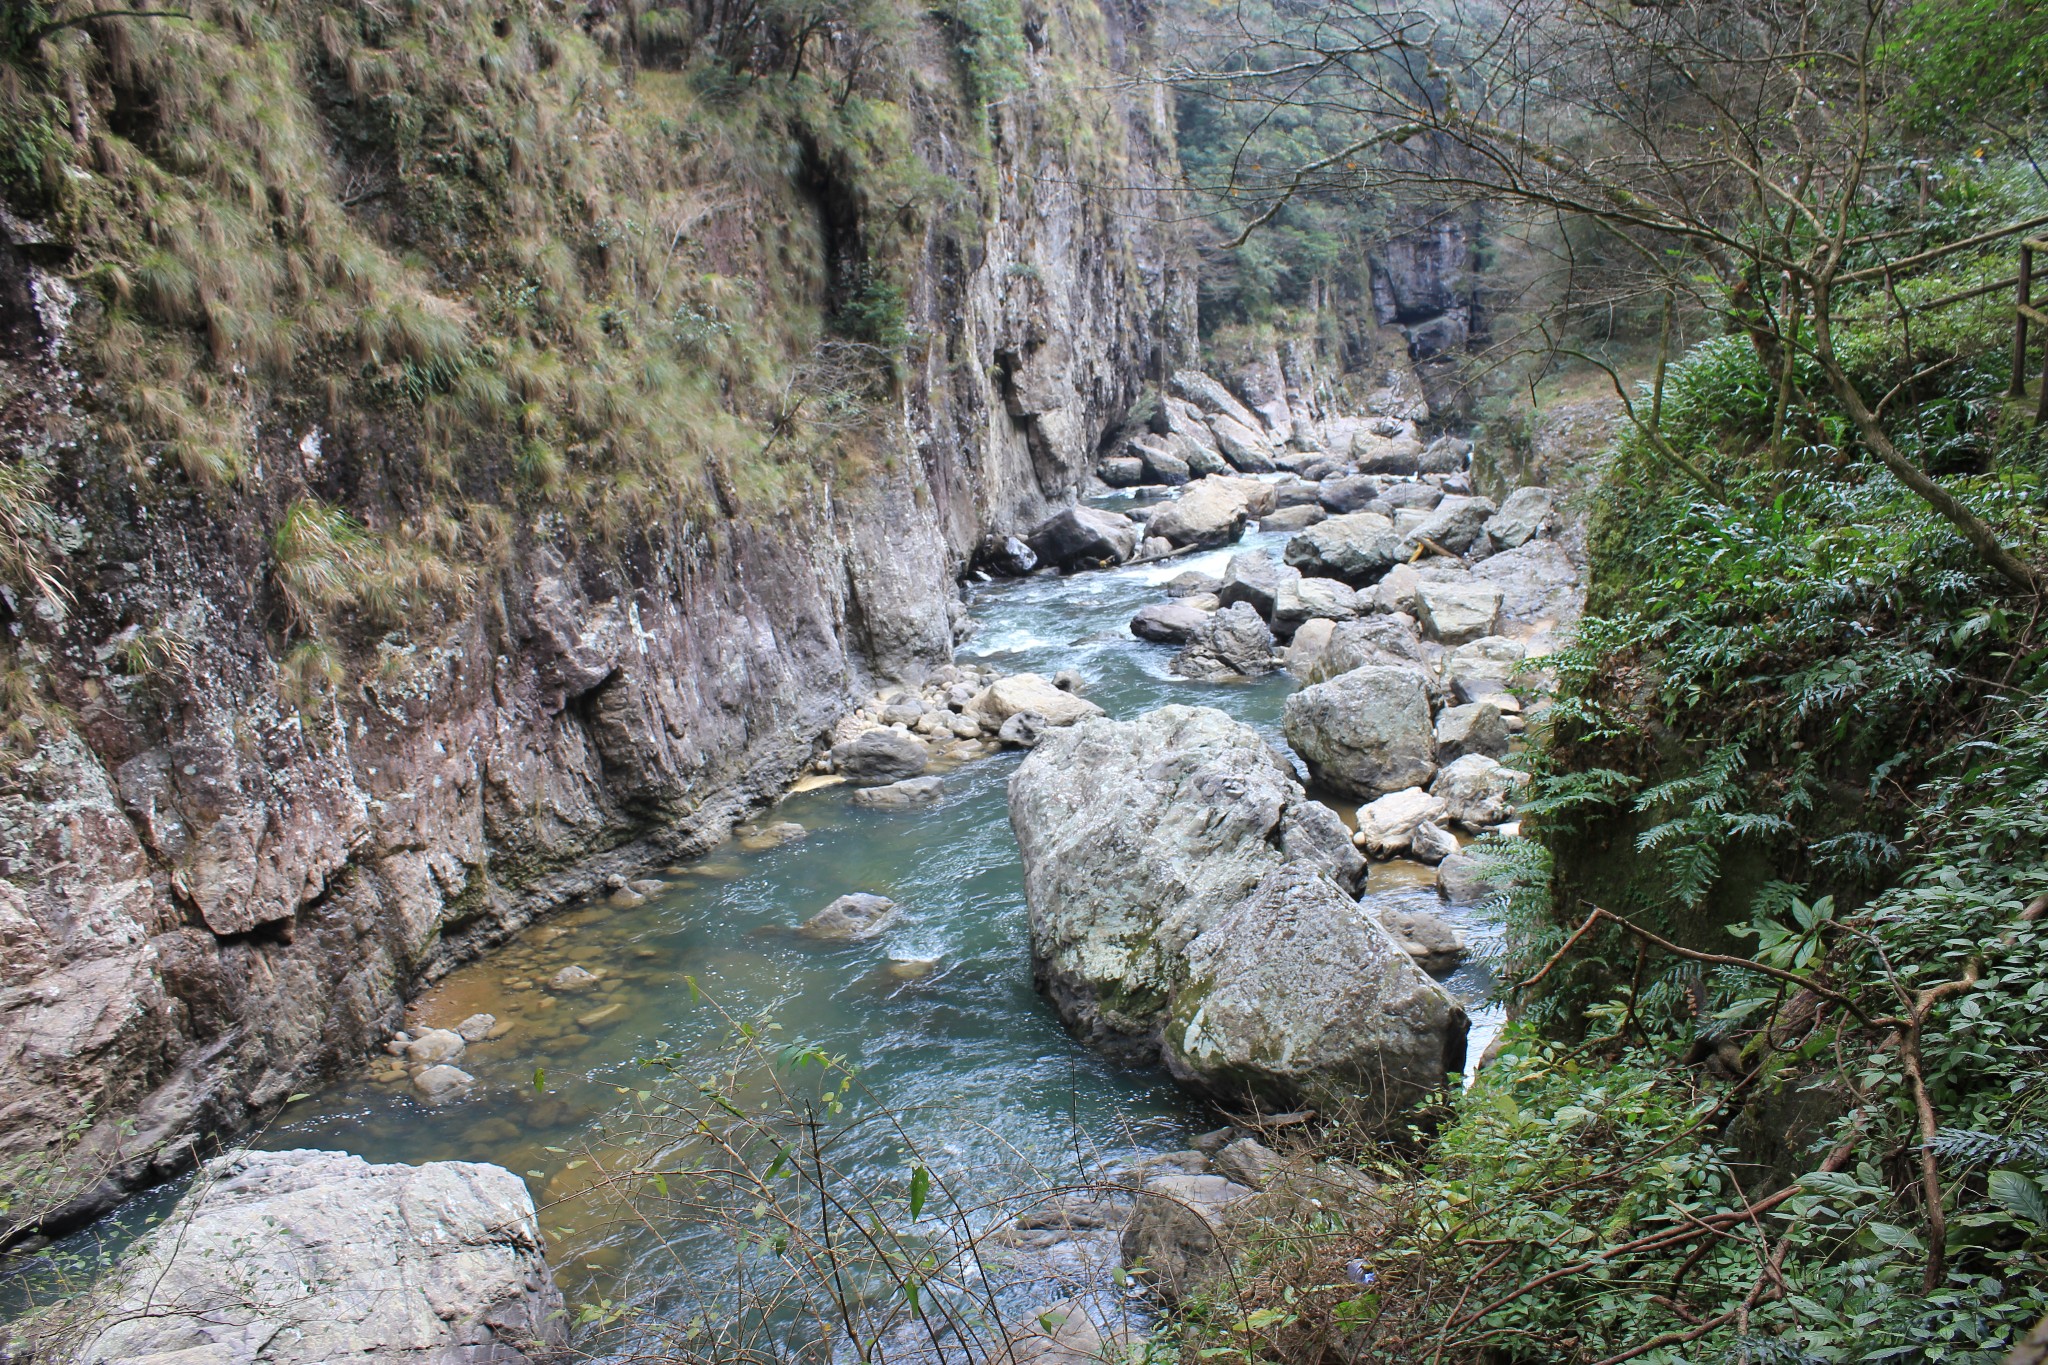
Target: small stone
x,y
1431,843
852,918
433,1046
1247,1161
626,898
572,979
439,1084
498,1030
476,1028
599,1018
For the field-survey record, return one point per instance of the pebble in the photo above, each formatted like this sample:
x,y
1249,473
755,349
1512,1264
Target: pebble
x,y
573,979
476,1028
599,1018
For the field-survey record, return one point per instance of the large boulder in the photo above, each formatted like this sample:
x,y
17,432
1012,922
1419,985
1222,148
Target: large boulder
x,y
1121,471
1409,493
1524,515
1474,728
1364,732
884,755
1456,613
1353,494
1309,599
1168,623
1386,826
299,1256
1452,525
1376,453
1258,495
1298,996
1540,587
1478,791
1357,547
1209,513
1466,878
1028,693
1297,518
1084,537
1246,447
1211,398
1138,836
1231,643
1007,555
1162,463
1482,667
1255,577
1373,641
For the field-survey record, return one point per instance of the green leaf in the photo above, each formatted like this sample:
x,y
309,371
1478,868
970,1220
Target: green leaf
x,y
540,1078
920,1186
661,1183
2018,1196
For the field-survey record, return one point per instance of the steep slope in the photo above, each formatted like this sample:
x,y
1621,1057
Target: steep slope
x,y
460,452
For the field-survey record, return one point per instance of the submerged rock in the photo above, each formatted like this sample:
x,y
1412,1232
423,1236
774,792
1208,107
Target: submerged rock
x,y
853,918
297,1257
441,1083
1431,940
881,756
911,791
1364,732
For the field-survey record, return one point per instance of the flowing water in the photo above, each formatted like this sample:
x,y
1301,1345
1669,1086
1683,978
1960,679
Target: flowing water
x,y
938,1012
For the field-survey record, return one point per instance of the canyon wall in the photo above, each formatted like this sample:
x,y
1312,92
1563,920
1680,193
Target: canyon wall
x,y
214,889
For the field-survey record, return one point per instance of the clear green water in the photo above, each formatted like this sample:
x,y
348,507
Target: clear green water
x,y
990,1087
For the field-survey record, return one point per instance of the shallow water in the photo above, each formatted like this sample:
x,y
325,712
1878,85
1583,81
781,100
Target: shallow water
x,y
938,1012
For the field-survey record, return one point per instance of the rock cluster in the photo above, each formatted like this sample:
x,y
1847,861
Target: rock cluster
x,y
962,711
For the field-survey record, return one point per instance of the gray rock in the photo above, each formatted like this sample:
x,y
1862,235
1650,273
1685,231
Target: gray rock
x,y
1396,592
1407,493
1307,599
1024,730
1474,728
853,918
1298,997
1350,494
476,1027
572,979
1377,454
1177,1240
1524,514
1431,843
1374,641
881,756
436,1045
1453,525
1168,623
1364,732
1065,1333
1246,447
1029,692
911,791
1482,667
1210,397
1297,493
1232,643
441,1083
1387,825
1256,578
1432,941
1162,463
297,1257
1305,650
1209,513
1328,467
1444,455
1457,613
1247,1161
1084,537
1070,681
1292,518
1192,583
1151,548
1477,791
1007,556
1464,878
1357,547
1202,457
1139,835
1540,587
1121,471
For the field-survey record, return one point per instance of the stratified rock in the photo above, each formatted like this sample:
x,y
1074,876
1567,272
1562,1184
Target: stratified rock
x,y
1524,514
1256,578
297,1257
1210,397
1474,728
1121,471
1386,826
1022,692
1478,791
1431,940
1431,843
853,918
912,791
1168,623
1364,732
1357,547
1084,537
1209,513
1298,997
1203,459
1177,1240
881,756
1137,836
1457,613
1232,643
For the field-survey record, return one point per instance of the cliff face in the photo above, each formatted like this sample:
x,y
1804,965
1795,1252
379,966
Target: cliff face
x,y
215,881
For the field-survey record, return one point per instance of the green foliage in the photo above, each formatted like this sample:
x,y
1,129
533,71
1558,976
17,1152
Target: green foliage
x,y
991,45
1969,63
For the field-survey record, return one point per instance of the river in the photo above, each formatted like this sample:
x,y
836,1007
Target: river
x,y
939,1013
